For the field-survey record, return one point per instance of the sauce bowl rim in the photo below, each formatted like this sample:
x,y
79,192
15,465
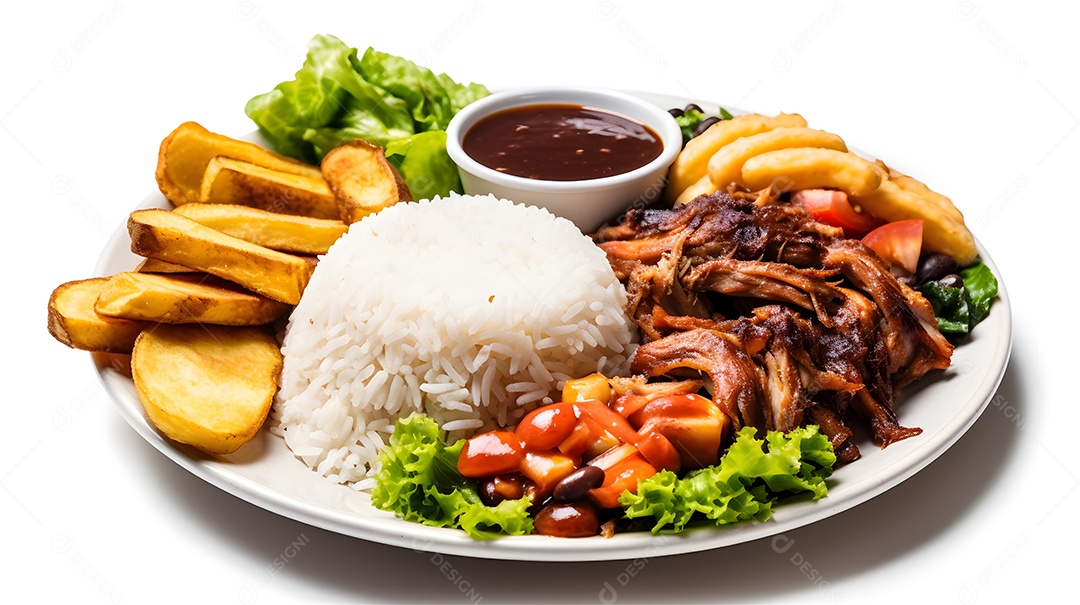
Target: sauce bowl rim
x,y
659,120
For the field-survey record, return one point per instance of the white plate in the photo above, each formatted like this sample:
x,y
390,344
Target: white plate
x,y
264,472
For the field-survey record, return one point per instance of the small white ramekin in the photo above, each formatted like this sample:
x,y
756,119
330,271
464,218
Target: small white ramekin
x,y
588,203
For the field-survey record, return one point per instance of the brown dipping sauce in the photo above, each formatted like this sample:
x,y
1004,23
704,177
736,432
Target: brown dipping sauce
x,y
561,142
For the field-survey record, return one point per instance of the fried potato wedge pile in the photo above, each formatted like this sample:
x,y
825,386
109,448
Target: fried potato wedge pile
x,y
755,152
220,271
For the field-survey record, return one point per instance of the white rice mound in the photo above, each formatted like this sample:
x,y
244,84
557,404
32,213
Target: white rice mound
x,y
470,309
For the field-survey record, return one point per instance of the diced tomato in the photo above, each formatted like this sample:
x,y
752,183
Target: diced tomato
x,y
626,405
694,425
594,386
546,427
491,453
833,208
545,469
609,419
657,450
620,477
898,243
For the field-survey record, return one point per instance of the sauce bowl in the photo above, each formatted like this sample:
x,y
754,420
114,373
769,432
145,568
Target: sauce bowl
x,y
591,202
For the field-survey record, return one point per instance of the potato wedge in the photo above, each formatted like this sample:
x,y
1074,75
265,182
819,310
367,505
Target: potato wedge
x,y
692,163
230,181
185,299
153,265
170,237
725,166
298,234
812,168
74,322
185,153
210,387
363,180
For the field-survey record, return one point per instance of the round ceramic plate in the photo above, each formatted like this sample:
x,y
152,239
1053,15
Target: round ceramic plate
x,y
265,473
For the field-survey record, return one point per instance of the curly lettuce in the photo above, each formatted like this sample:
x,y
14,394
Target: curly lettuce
x,y
752,476
419,481
339,95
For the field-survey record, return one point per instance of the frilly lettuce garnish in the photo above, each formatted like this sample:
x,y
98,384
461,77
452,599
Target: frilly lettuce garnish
x,y
745,485
419,481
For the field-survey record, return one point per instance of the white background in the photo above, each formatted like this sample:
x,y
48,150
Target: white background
x,y
978,99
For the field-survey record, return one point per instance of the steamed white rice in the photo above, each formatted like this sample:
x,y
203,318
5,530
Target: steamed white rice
x,y
470,309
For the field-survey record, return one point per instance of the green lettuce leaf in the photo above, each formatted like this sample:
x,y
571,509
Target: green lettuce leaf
x,y
958,309
338,96
688,121
419,481
981,287
422,161
752,476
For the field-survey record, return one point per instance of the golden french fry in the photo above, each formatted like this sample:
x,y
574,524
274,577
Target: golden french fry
x,y
703,186
185,299
693,161
726,164
284,232
74,322
812,168
231,181
187,150
177,239
944,230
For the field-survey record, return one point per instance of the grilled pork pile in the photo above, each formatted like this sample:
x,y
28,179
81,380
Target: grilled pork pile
x,y
791,322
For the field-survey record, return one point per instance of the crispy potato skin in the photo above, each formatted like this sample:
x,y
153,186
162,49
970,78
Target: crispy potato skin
x,y
363,180
177,239
210,387
286,233
185,298
74,322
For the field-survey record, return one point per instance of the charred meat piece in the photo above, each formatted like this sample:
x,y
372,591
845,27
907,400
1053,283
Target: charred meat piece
x,y
735,380
778,282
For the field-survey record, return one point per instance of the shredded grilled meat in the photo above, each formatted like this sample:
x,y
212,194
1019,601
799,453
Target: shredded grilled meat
x,y
786,320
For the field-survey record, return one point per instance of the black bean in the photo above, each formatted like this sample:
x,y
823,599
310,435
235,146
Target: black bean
x,y
694,107
578,483
489,495
704,125
675,112
952,280
934,266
